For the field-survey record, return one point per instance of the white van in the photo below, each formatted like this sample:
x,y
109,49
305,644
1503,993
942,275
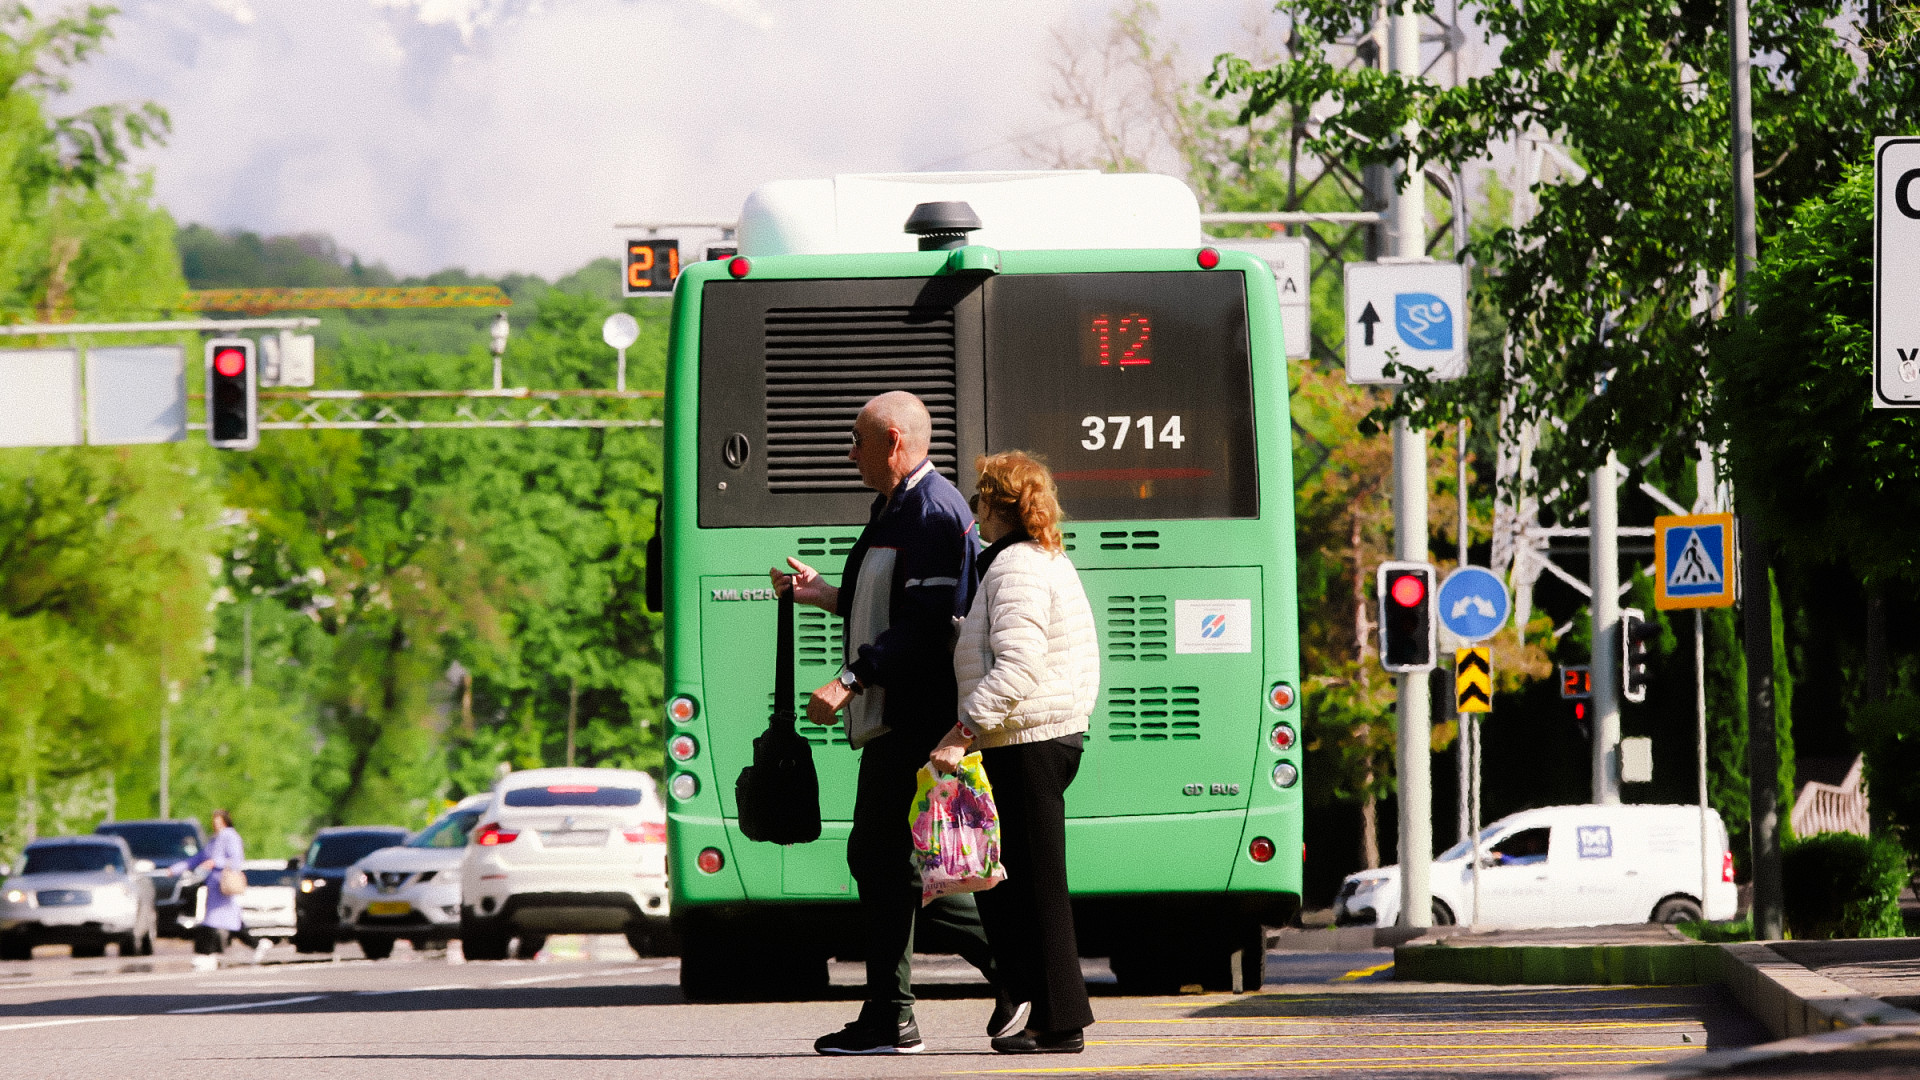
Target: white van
x,y
1567,866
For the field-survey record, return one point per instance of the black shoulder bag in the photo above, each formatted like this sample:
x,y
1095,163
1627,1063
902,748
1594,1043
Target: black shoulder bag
x,y
779,794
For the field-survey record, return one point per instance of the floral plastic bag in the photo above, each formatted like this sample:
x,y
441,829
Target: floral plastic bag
x,y
956,831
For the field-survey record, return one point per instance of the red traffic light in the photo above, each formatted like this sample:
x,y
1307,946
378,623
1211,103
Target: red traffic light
x,y
230,362
1408,591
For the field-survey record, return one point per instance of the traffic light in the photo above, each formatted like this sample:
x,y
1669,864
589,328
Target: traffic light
x,y
1408,617
232,409
1635,633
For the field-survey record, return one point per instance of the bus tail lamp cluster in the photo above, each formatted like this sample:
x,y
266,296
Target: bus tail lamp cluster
x,y
649,832
682,709
1280,697
1282,737
683,748
1208,258
1726,866
684,786
739,267
492,835
1261,850
709,860
1285,775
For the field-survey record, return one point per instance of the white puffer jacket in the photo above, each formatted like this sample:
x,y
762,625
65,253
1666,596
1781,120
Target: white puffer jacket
x,y
1028,660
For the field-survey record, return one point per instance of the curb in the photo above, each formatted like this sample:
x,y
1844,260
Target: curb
x,y
1792,1000
1588,965
1715,1061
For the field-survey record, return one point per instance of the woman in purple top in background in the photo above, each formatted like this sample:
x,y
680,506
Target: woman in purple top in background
x,y
223,852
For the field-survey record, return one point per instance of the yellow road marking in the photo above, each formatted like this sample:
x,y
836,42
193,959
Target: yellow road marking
x,y
1431,1065
1436,1029
1539,992
1532,1056
1361,973
1228,1041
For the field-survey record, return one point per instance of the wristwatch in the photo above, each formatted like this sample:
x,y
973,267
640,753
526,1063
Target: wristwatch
x,y
849,680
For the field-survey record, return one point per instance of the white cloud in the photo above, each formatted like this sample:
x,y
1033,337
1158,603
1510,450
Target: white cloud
x,y
512,134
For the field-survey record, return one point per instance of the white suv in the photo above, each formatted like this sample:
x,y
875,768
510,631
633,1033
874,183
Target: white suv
x,y
565,851
411,891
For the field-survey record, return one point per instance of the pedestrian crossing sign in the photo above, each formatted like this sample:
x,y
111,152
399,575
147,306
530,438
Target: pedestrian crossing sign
x,y
1693,561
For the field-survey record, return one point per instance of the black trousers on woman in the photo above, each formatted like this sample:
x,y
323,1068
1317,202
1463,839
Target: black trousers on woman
x,y
1028,917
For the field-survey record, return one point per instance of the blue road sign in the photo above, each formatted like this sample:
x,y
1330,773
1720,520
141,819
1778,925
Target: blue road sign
x,y
1695,556
1424,321
1473,603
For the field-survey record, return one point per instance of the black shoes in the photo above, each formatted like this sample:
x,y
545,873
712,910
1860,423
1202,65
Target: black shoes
x,y
1007,1018
1030,1041
863,1037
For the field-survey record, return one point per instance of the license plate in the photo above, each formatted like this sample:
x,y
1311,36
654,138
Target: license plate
x,y
389,907
575,838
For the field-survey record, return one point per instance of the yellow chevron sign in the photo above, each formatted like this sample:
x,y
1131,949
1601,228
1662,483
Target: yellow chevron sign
x,y
1473,679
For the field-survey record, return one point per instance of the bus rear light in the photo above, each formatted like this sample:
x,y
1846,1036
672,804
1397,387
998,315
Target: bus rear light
x,y
1285,775
684,786
1208,258
709,861
1726,866
1281,738
739,267
683,748
1280,697
492,835
1261,850
649,832
682,709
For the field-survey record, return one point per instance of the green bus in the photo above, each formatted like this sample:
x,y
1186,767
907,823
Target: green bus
x,y
1152,377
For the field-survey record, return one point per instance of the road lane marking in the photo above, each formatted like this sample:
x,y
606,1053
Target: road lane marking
x,y
414,990
1361,973
246,1005
1478,1060
577,975
62,1023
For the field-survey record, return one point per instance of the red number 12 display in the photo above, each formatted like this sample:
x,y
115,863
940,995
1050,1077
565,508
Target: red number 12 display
x,y
1130,338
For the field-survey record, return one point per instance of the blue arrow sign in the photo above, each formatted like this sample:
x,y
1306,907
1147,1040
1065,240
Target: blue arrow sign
x,y
1473,603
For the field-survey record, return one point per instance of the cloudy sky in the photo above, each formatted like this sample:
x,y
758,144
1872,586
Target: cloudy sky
x,y
504,135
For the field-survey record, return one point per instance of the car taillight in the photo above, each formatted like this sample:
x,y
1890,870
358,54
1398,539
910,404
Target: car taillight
x,y
492,835
649,832
1261,850
709,861
1726,866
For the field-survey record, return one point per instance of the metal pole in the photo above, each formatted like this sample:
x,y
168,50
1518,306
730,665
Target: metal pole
x,y
1603,576
573,715
620,379
246,644
1463,756
166,740
1415,735
1475,822
1700,743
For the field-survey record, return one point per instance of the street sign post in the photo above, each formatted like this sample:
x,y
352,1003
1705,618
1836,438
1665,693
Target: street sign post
x,y
1473,603
1473,679
1693,561
1413,314
1896,273
1288,256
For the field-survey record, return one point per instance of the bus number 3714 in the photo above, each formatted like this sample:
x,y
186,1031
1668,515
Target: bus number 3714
x,y
1098,428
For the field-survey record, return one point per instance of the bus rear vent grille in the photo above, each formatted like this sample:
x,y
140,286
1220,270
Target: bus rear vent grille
x,y
1136,628
1153,713
827,545
1140,540
812,732
824,363
818,640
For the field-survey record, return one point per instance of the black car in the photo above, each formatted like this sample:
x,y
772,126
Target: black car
x,y
158,843
317,904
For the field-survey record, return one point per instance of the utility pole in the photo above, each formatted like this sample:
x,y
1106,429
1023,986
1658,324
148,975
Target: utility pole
x,y
1407,240
1603,575
1763,755
1469,723
573,715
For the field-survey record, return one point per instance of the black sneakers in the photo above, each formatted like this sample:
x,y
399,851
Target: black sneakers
x,y
1030,1041
862,1037
1007,1018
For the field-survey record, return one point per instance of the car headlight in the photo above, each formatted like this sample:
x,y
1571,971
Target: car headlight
x,y
17,896
357,879
308,884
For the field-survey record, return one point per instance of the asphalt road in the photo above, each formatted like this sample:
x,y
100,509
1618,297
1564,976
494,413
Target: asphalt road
x,y
588,1008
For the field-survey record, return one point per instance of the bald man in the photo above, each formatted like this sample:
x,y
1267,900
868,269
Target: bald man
x,y
907,579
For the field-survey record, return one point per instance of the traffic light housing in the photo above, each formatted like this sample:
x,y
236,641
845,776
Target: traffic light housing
x,y
1409,616
233,416
1635,634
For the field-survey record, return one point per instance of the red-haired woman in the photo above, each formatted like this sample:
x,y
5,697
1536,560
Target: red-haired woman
x,y
1028,667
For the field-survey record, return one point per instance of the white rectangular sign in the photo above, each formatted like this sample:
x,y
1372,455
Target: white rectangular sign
x,y
1212,626
1413,314
136,394
40,402
286,359
1292,280
1896,273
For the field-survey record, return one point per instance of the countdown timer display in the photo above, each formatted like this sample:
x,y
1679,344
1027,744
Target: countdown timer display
x,y
1137,389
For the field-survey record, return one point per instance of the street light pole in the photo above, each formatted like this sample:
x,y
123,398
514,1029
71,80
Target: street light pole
x,y
1407,216
501,328
1603,576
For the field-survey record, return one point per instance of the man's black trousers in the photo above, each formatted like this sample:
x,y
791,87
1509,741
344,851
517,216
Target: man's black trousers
x,y
1029,917
880,855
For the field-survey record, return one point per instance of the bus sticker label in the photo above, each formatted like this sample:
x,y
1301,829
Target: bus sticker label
x,y
1213,626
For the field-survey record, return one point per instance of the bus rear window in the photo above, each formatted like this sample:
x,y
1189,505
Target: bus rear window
x,y
1136,388
573,795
